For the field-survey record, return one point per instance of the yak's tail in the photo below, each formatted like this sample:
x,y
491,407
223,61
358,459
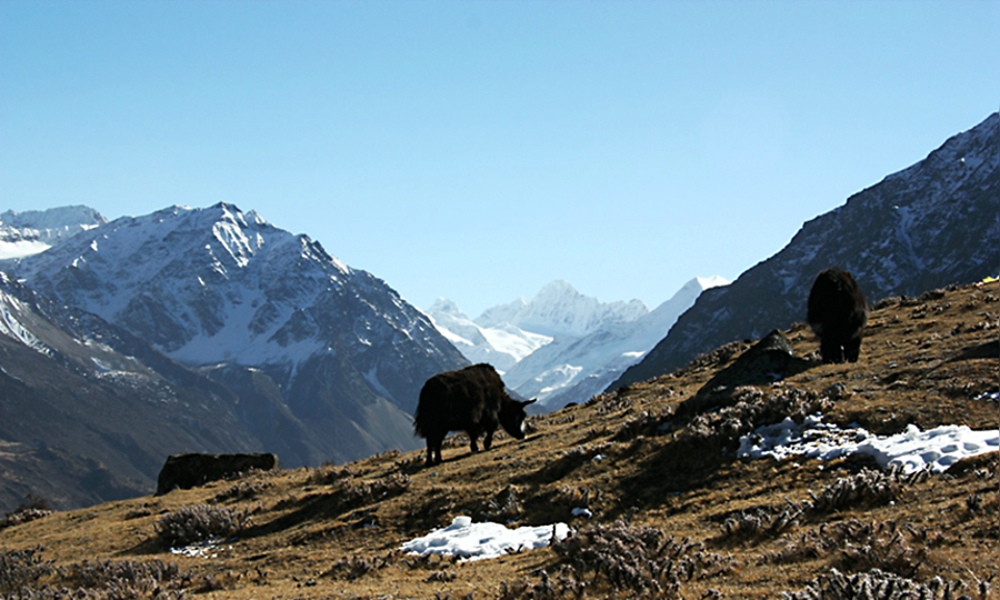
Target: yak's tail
x,y
420,418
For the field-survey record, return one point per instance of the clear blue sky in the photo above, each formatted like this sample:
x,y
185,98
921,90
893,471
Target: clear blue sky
x,y
478,150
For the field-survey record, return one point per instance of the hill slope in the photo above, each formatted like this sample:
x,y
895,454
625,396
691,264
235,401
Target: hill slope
x,y
925,227
674,512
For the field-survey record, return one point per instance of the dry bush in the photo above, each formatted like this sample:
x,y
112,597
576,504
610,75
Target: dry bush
x,y
355,567
33,507
645,423
761,523
641,561
200,522
885,546
505,506
612,402
867,488
20,571
752,408
880,585
855,546
563,585
354,493
244,490
125,580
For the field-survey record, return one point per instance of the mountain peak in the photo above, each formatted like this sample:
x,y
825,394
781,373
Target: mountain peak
x,y
558,309
444,306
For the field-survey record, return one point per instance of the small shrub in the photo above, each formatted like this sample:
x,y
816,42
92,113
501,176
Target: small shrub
x,y
639,560
868,488
20,570
879,584
761,523
751,408
244,490
200,522
562,585
643,424
355,567
34,507
504,507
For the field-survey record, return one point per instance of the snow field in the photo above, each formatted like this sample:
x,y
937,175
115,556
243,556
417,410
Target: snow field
x,y
935,449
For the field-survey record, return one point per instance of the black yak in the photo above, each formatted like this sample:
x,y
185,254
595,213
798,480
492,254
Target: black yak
x,y
473,400
186,471
837,313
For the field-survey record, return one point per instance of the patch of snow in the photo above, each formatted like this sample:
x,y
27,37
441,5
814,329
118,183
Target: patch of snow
x,y
205,549
21,248
913,450
476,541
582,512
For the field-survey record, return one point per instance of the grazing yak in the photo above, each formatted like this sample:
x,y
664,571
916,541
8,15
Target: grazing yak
x,y
837,313
186,471
473,400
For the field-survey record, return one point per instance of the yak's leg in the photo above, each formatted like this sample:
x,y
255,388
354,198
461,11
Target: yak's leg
x,y
831,350
434,450
489,439
852,349
473,434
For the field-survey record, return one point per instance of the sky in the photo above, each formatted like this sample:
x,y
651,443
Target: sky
x,y
479,150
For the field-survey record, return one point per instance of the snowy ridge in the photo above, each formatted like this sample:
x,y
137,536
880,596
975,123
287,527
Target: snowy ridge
x,y
502,346
586,346
11,309
559,309
33,231
218,308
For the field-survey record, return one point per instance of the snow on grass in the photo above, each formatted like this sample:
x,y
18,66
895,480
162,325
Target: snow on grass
x,y
476,541
913,449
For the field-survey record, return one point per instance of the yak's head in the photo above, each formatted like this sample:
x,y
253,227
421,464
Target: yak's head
x,y
512,416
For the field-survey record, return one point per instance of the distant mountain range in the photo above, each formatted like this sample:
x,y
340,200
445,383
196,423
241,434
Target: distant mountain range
x,y
33,231
289,350
933,224
562,346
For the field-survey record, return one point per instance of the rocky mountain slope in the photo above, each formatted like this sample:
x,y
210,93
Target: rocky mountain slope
x,y
325,362
562,346
930,225
89,412
648,479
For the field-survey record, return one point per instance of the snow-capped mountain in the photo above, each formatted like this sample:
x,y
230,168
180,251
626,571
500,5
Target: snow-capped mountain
x,y
502,345
933,224
34,231
558,309
327,361
586,344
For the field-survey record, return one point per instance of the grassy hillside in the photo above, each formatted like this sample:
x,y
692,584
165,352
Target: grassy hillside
x,y
675,513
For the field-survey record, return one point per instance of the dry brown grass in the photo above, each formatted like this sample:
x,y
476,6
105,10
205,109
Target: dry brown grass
x,y
668,493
